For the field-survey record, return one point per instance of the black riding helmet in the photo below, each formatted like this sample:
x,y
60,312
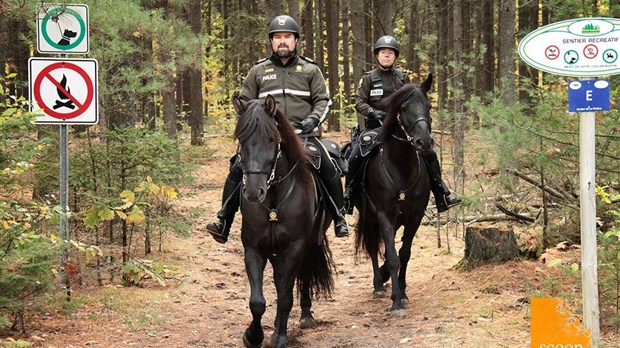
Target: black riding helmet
x,y
284,23
387,42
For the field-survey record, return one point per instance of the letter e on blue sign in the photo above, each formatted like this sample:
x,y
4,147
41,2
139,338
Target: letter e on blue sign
x,y
588,96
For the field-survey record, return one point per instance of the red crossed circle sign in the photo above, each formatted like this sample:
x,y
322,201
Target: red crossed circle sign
x,y
81,105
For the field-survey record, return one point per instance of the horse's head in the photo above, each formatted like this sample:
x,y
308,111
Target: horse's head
x,y
259,145
409,115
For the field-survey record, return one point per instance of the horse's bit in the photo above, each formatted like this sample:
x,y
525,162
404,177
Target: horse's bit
x,y
409,137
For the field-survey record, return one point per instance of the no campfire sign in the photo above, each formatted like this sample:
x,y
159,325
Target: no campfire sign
x,y
64,91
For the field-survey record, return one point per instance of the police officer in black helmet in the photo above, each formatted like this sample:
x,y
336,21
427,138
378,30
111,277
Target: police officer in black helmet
x,y
375,85
301,93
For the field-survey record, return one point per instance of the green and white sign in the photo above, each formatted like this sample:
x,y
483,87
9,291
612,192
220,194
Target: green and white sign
x,y
581,47
63,29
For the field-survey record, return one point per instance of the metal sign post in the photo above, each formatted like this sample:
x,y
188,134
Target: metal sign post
x,y
583,47
63,91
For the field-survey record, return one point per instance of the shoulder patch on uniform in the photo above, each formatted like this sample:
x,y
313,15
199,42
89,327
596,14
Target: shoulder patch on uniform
x,y
307,59
261,61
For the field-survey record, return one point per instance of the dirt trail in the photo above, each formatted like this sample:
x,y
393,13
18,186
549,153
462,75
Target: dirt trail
x,y
205,303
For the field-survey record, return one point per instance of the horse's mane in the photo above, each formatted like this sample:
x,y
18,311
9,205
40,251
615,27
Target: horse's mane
x,y
256,119
394,102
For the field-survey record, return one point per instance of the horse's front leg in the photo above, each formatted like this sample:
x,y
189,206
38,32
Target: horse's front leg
x,y
255,266
285,271
392,262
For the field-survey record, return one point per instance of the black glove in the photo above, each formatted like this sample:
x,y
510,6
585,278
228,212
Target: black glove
x,y
308,125
377,114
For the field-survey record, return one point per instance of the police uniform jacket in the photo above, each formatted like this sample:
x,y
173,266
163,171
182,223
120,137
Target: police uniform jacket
x,y
376,85
298,88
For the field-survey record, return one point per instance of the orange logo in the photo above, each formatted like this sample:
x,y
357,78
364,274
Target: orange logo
x,y
554,326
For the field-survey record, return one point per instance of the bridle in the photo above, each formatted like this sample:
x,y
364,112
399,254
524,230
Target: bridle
x,y
272,173
408,137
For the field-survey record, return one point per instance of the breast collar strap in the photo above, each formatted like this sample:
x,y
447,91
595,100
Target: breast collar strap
x,y
402,195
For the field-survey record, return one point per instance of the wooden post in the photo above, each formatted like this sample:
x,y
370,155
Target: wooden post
x,y
587,199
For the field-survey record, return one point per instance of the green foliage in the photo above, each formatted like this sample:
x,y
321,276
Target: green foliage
x,y
27,258
139,51
137,270
540,139
609,266
11,343
27,264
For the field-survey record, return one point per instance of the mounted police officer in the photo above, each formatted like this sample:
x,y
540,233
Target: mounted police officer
x,y
301,93
375,85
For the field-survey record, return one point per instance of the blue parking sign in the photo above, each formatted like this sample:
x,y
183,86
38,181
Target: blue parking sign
x,y
588,95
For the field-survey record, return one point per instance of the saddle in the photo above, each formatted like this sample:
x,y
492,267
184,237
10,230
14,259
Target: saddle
x,y
334,152
368,141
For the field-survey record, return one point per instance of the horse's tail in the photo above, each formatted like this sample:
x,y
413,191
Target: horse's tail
x,y
317,270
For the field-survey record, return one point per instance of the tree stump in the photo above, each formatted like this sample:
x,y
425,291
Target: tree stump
x,y
485,245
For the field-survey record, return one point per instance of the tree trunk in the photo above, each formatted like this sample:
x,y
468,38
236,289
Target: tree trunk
x,y
457,90
319,39
273,8
507,44
384,17
293,9
442,54
528,21
346,53
486,70
308,29
331,11
359,45
486,245
196,116
413,30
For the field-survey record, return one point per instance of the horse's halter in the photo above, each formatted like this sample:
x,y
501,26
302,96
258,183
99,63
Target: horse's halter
x,y
410,139
272,174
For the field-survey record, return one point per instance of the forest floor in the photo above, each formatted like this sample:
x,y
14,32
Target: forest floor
x,y
205,300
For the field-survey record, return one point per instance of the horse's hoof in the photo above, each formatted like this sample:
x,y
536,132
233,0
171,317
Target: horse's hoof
x,y
378,294
399,312
248,344
307,323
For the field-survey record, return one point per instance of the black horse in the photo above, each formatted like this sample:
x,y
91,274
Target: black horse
x,y
395,188
281,219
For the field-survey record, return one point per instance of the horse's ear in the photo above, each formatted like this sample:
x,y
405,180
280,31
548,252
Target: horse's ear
x,y
427,84
270,105
238,104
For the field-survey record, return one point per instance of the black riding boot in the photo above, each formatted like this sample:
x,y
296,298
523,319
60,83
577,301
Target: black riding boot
x,y
334,189
351,179
230,204
443,201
